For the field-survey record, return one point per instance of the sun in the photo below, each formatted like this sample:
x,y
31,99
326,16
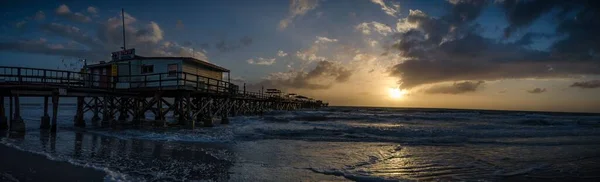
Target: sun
x,y
396,93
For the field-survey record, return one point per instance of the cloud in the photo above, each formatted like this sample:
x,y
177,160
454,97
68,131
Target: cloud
x,y
323,76
40,15
71,33
392,10
321,40
92,10
65,12
228,46
20,24
503,91
280,53
246,41
456,88
309,55
366,28
449,48
261,61
173,49
587,84
297,8
147,38
536,91
179,25
576,24
237,79
41,46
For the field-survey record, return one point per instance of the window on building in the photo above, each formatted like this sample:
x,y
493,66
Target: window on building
x,y
147,69
172,69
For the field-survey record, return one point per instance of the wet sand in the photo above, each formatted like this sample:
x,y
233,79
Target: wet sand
x,y
17,165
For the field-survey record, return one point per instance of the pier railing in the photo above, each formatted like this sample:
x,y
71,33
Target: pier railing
x,y
156,81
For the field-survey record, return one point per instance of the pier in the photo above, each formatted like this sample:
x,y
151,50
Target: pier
x,y
125,100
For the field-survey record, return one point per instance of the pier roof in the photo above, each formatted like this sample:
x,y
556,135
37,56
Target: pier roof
x,y
189,59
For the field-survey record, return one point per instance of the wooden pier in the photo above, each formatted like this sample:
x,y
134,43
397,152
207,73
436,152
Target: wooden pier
x,y
192,100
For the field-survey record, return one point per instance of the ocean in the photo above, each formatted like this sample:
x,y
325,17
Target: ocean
x,y
330,144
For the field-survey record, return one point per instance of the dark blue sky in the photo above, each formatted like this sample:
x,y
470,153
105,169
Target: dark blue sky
x,y
325,46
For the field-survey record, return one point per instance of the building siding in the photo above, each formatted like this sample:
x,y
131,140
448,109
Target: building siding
x,y
160,72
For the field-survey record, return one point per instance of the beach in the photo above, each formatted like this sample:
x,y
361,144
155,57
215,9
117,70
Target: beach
x,y
20,165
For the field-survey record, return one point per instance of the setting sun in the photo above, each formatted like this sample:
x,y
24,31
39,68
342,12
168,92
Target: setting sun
x,y
396,93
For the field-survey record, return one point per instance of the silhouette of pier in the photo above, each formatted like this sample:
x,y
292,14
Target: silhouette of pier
x,y
192,99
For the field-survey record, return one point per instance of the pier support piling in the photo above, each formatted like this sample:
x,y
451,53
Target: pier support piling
x,y
224,119
45,120
17,124
96,110
106,112
138,111
208,121
10,108
123,111
79,122
3,120
54,112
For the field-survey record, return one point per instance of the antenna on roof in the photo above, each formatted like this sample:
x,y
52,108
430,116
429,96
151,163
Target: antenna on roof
x,y
123,19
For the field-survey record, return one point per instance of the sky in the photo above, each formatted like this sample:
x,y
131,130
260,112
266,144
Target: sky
x,y
539,55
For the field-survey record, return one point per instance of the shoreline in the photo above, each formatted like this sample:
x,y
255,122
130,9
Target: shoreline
x,y
27,166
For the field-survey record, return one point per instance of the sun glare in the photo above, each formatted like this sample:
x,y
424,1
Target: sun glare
x,y
396,93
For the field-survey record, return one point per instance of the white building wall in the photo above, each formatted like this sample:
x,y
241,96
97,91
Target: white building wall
x,y
160,72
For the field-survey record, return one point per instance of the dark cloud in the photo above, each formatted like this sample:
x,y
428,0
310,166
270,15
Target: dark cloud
x,y
456,88
42,47
450,49
187,43
522,13
40,15
246,41
465,10
228,46
205,46
577,22
71,33
587,84
179,25
529,37
536,91
146,38
323,76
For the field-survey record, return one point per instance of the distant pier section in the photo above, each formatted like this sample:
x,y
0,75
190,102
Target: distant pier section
x,y
127,88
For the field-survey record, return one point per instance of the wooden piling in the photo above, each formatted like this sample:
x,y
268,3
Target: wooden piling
x,y
10,107
45,120
123,110
160,117
106,115
96,111
79,121
207,120
54,112
224,119
137,110
17,124
3,119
